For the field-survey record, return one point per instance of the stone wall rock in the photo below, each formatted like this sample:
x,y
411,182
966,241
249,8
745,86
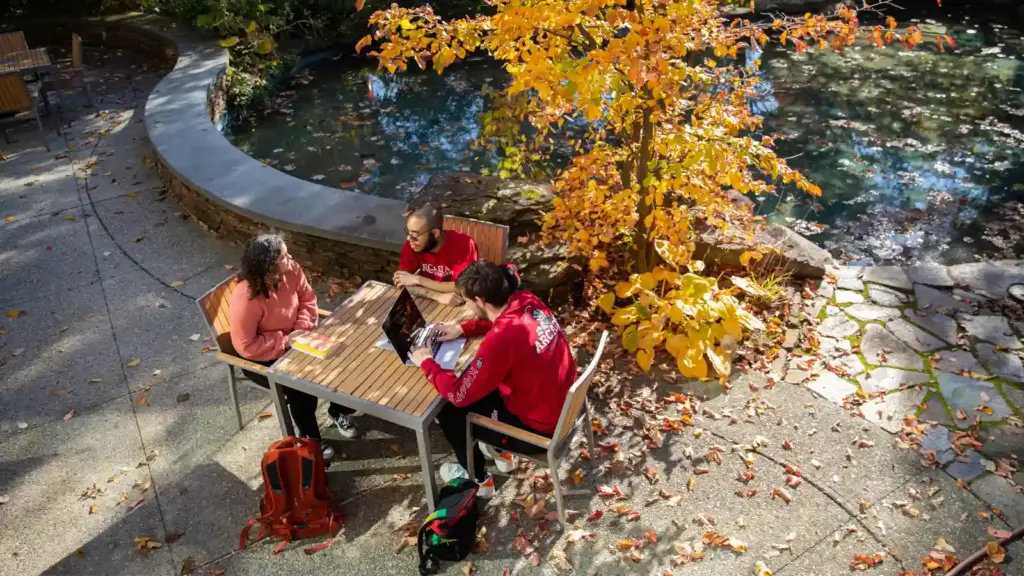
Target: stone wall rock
x,y
798,255
315,253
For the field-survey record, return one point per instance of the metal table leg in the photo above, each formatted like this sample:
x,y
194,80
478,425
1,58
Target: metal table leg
x,y
426,464
284,417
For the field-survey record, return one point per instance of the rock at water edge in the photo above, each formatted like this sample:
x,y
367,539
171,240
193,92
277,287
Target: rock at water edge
x,y
932,300
870,312
930,274
892,276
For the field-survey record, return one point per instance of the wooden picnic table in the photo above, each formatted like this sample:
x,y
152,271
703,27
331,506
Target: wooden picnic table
x,y
363,376
35,60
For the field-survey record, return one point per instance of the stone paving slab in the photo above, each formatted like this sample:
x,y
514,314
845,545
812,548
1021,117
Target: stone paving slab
x,y
45,470
39,250
991,278
892,276
149,230
964,393
838,326
932,300
956,360
930,274
886,296
938,324
889,410
153,323
913,336
830,557
36,184
870,312
887,379
881,348
848,297
66,359
993,329
1000,363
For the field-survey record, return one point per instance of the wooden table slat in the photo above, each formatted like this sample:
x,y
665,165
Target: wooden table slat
x,y
357,339
296,362
25,61
363,370
363,381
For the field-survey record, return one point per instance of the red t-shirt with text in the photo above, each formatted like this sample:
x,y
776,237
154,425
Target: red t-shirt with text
x,y
455,255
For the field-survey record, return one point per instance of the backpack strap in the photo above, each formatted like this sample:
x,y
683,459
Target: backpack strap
x,y
287,539
336,519
428,563
244,537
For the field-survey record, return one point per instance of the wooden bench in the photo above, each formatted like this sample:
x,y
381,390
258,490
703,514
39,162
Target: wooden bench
x,y
575,417
214,307
491,239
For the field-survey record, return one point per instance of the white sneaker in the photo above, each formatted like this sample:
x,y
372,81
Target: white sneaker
x,y
504,461
450,471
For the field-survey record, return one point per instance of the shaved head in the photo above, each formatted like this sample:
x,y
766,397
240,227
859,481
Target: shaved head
x,y
430,215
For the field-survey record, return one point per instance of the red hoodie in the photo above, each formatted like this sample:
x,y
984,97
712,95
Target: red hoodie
x,y
524,355
457,252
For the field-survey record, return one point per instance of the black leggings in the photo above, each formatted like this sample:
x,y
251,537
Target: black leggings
x,y
453,424
300,404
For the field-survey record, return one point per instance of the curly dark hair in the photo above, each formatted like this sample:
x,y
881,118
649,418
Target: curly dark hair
x,y
259,260
493,283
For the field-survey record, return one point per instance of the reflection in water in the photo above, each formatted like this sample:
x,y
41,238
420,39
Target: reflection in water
x,y
357,128
918,153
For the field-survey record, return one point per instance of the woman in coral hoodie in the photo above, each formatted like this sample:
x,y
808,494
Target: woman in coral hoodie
x,y
521,374
272,304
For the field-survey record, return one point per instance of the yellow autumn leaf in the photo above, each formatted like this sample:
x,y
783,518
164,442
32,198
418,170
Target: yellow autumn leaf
x,y
675,344
644,357
629,339
251,27
624,289
265,46
363,43
606,302
691,364
749,256
624,316
746,285
719,361
646,281
228,42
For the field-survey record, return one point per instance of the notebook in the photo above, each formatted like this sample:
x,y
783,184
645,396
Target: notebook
x,y
316,345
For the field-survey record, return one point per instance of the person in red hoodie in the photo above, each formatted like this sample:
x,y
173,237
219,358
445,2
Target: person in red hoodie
x,y
521,374
271,305
432,257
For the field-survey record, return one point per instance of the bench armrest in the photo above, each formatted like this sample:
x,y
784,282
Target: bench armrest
x,y
517,433
242,362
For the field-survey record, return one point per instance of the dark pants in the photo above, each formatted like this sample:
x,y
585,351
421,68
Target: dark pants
x,y
300,404
453,424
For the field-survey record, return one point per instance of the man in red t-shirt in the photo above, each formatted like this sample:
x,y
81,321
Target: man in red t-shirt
x,y
432,258
521,374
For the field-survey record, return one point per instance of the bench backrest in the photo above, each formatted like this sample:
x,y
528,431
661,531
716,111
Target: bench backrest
x,y
214,307
76,51
14,95
12,42
578,395
491,239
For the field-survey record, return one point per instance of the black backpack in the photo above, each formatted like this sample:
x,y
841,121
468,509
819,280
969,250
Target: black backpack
x,y
450,532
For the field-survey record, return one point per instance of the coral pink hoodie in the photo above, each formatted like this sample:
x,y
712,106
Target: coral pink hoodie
x,y
260,326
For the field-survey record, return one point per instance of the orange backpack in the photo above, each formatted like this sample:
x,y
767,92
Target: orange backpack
x,y
296,502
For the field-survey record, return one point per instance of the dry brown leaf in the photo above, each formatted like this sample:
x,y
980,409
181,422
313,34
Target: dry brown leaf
x,y
995,552
69,415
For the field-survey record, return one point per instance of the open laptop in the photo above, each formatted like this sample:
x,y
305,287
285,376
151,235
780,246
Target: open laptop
x,y
405,329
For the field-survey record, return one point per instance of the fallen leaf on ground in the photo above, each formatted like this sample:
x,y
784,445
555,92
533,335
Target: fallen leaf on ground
x,y
761,569
132,362
183,397
13,314
264,415
864,561
595,515
1001,534
94,509
216,571
143,398
995,552
576,477
177,283
187,565
69,415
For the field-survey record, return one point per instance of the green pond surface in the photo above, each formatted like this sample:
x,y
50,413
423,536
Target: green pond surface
x,y
918,153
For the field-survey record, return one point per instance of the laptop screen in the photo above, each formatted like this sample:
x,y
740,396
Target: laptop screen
x,y
403,322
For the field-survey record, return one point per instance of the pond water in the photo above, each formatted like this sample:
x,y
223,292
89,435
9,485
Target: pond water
x,y
918,153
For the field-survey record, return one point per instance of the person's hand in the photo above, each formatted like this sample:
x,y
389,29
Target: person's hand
x,y
419,355
405,279
451,299
446,332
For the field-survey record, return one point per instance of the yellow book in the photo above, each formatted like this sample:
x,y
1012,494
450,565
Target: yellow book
x,y
316,345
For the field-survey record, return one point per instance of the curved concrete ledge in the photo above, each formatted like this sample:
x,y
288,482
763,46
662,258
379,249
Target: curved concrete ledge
x,y
180,122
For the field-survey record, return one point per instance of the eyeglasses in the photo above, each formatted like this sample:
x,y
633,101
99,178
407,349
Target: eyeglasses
x,y
413,235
